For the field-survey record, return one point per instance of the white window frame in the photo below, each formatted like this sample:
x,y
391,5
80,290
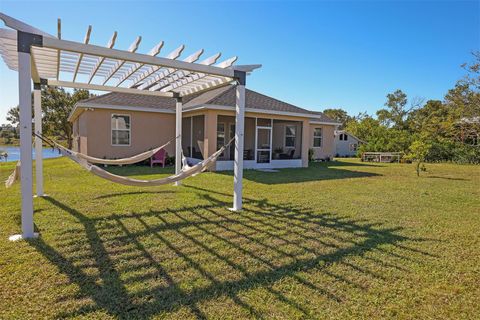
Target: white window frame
x,y
129,130
318,137
290,136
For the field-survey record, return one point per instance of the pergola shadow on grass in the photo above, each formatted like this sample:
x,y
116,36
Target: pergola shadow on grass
x,y
136,265
315,172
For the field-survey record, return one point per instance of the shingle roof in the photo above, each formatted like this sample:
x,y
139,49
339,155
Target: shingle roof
x,y
323,118
224,96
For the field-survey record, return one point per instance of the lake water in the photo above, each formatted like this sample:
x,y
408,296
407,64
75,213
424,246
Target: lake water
x,y
14,153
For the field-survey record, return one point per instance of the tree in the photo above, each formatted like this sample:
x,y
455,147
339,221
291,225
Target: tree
x,y
13,115
432,120
57,104
418,152
396,113
338,115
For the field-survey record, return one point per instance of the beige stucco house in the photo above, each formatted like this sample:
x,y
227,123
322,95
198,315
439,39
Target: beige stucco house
x,y
277,134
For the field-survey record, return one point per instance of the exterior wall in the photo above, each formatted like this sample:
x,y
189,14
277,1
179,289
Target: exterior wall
x,y
342,148
80,134
148,130
327,150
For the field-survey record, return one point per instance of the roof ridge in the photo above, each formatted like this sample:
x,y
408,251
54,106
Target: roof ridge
x,y
95,97
264,95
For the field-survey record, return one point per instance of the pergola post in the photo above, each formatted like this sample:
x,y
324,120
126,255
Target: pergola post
x,y
37,106
25,104
239,137
178,139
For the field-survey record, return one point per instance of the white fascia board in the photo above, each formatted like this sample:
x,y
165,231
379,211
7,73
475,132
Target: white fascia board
x,y
326,123
252,110
86,105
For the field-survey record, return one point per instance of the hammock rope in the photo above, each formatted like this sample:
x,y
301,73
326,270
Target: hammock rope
x,y
82,160
185,173
131,160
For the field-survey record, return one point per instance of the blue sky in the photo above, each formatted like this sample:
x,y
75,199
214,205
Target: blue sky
x,y
315,54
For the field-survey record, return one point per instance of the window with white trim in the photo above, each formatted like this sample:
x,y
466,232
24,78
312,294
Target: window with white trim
x,y
343,137
317,137
290,136
120,129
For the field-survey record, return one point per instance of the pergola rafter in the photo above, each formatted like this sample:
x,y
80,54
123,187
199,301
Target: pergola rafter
x,y
181,74
80,57
133,47
166,71
152,69
100,60
154,52
46,59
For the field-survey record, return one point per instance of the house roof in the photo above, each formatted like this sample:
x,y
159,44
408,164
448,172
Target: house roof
x,y
338,132
222,97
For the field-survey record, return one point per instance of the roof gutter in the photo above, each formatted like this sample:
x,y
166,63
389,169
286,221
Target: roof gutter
x,y
87,105
253,110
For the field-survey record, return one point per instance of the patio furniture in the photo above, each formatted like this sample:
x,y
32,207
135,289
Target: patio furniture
x,y
287,155
247,154
159,157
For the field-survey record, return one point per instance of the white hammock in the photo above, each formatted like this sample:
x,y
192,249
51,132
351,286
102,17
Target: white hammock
x,y
186,172
134,159
14,176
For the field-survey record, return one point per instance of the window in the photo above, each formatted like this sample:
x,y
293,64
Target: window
x,y
353,147
290,132
120,130
317,137
343,137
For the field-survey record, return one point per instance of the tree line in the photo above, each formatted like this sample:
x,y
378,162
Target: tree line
x,y
435,130
57,104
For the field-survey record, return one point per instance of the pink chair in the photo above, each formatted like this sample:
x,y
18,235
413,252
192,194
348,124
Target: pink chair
x,y
159,157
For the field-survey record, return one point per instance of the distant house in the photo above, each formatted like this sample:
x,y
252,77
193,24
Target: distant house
x,y
277,134
346,144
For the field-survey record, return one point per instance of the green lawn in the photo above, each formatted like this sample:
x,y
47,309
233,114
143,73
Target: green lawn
x,y
337,240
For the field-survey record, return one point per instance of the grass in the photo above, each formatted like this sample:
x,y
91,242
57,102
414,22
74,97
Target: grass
x,y
337,240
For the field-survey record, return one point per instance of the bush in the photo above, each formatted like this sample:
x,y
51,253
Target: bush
x,y
443,151
311,155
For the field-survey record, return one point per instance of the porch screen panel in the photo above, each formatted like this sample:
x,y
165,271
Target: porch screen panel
x,y
227,133
187,136
287,139
198,136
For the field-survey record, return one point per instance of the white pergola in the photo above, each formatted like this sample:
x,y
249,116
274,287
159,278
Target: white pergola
x,y
49,60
